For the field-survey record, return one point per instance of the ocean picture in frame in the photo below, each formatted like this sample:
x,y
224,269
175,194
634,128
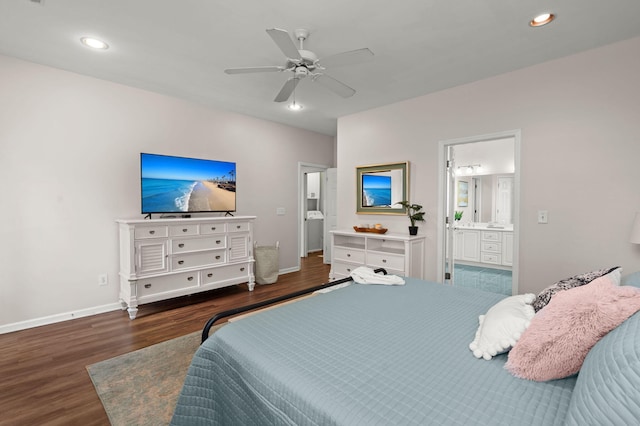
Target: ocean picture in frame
x,y
376,190
381,187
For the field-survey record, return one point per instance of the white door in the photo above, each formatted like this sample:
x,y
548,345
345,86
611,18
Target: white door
x,y
331,210
504,200
450,240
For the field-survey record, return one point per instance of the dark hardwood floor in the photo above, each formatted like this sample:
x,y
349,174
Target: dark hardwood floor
x,y
43,379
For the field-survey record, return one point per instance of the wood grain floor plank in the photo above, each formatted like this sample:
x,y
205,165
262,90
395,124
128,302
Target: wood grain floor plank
x,y
43,377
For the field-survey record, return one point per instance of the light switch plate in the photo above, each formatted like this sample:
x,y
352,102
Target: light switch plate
x,y
543,216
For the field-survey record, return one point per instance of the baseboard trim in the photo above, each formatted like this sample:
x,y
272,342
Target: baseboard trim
x,y
66,316
52,319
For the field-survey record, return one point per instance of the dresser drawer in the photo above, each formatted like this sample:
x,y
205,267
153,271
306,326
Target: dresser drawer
x,y
144,232
385,260
238,227
349,255
491,236
490,258
223,273
196,244
342,270
166,284
213,228
185,229
195,260
491,247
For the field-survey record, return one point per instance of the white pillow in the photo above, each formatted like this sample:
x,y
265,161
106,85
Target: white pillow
x,y
502,325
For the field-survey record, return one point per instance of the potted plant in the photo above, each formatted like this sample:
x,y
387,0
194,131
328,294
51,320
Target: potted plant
x,y
415,214
458,215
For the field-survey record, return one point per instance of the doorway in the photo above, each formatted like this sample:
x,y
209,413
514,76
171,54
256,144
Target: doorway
x,y
312,201
479,186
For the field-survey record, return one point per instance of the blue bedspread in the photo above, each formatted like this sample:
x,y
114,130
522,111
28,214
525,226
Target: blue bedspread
x,y
363,355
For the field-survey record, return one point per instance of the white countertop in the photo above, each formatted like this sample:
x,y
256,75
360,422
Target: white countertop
x,y
484,226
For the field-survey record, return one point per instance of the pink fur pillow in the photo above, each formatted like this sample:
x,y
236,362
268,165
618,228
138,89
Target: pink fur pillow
x,y
559,337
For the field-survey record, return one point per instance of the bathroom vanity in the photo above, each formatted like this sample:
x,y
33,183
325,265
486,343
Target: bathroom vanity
x,y
483,244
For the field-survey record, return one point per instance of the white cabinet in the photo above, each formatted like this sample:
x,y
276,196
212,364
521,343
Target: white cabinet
x,y
467,245
507,248
485,247
398,254
165,258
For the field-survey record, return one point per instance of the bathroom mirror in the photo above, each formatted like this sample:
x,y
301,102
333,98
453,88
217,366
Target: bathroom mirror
x,y
380,187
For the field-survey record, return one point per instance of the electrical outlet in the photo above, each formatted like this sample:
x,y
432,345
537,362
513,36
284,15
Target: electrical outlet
x,y
543,216
103,279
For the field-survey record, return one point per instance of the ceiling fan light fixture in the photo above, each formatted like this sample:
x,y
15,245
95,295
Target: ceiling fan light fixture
x,y
293,106
94,43
542,19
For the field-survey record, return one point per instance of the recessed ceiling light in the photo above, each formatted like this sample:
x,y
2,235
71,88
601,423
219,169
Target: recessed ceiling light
x,y
542,19
294,106
94,43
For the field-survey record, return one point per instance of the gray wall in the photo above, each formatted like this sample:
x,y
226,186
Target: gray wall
x,y
69,167
580,148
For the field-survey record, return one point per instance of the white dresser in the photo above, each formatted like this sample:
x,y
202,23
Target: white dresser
x,y
399,254
165,258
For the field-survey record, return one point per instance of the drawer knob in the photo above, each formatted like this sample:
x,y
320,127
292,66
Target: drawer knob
x,y
213,228
147,286
184,229
238,226
152,232
180,262
181,245
189,278
209,275
242,269
218,257
384,260
348,254
348,269
218,241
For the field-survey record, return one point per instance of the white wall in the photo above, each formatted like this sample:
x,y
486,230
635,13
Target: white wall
x,y
580,151
69,167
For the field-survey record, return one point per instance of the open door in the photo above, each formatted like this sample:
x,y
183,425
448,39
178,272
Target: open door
x,y
331,210
449,222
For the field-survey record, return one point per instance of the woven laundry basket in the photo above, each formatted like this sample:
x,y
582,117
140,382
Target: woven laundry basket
x,y
267,263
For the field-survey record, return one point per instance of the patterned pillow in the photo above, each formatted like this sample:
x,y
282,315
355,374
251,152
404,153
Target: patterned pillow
x,y
576,281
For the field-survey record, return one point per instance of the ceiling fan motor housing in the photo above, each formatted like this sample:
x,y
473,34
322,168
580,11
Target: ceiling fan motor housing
x,y
301,72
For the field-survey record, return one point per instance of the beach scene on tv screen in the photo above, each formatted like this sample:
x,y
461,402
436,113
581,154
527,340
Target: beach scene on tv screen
x,y
181,185
376,190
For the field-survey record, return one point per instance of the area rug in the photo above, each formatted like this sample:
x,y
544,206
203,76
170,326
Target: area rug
x,y
142,387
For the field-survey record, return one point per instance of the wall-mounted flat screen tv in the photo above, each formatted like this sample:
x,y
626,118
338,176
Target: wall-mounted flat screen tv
x,y
186,185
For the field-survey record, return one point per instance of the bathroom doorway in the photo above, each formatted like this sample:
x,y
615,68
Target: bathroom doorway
x,y
478,211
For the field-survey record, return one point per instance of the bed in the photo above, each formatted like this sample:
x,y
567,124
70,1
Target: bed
x,y
394,355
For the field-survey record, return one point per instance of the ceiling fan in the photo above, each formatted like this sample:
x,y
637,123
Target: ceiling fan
x,y
304,63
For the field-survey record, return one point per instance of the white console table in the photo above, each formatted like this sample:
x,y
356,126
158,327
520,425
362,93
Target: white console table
x,y
399,254
165,258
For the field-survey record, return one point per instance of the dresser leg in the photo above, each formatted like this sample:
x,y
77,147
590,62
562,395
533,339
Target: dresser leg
x,y
133,311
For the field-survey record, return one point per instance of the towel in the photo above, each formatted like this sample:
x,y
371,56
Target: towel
x,y
364,275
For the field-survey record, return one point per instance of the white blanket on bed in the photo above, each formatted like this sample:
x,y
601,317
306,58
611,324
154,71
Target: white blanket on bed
x,y
364,275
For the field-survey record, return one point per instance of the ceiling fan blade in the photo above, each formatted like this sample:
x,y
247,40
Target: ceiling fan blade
x,y
347,58
287,90
246,70
285,43
335,86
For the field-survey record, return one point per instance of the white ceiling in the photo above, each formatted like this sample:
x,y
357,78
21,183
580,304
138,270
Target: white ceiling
x,y
181,47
